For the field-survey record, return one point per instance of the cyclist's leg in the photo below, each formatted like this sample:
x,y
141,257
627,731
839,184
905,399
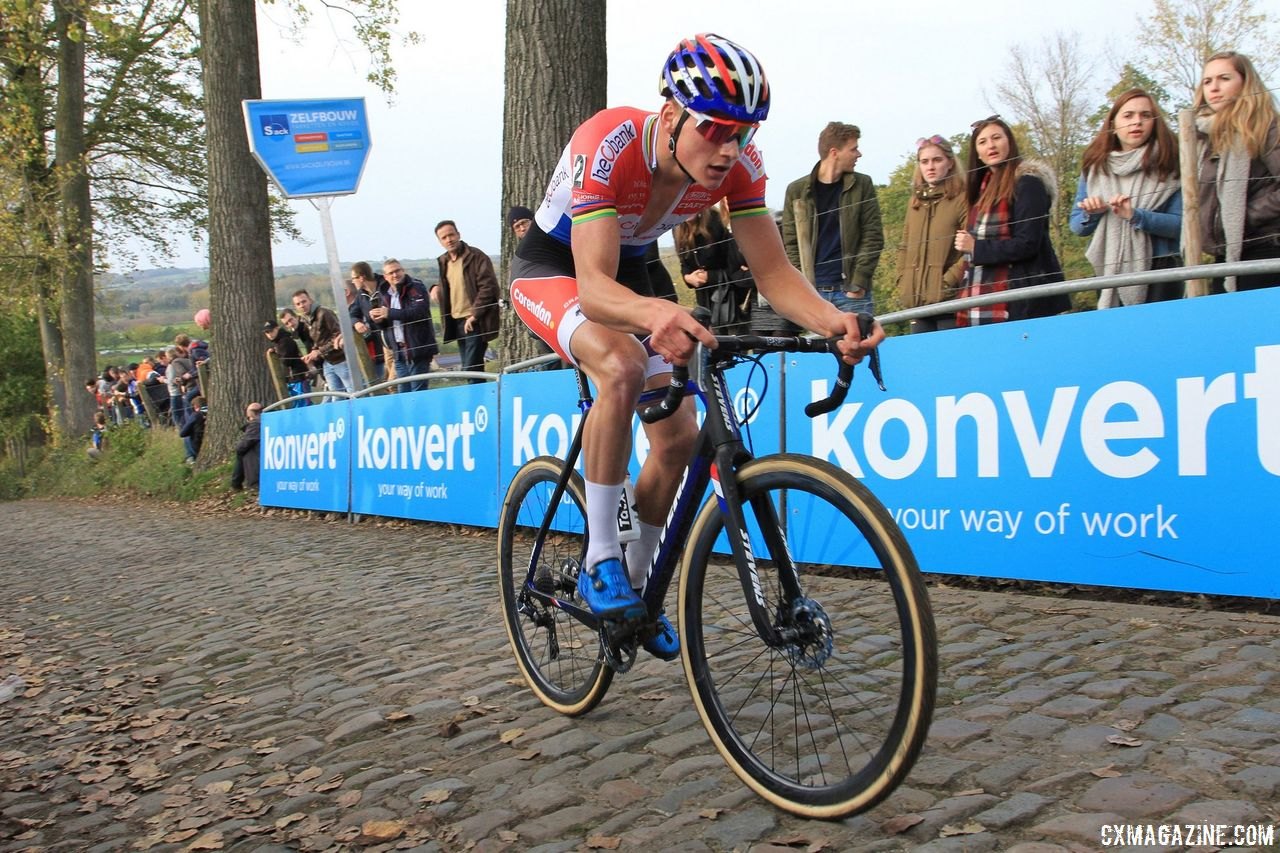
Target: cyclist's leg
x,y
615,362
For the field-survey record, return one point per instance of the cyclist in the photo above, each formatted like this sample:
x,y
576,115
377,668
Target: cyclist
x,y
579,282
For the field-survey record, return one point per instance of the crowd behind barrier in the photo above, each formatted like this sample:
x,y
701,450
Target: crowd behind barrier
x,y
1115,465
964,212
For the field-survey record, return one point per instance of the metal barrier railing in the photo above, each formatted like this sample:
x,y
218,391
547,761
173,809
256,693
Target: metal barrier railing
x,y
1237,268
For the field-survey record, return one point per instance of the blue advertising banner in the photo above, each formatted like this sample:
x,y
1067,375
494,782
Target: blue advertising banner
x,y
430,455
305,458
310,147
1137,447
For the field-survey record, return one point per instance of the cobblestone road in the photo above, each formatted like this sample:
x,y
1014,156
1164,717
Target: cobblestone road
x,y
248,681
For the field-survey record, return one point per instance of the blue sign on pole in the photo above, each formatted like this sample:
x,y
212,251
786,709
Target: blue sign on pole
x,y
310,148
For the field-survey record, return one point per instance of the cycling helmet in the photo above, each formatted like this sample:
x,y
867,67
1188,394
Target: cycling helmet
x,y
712,76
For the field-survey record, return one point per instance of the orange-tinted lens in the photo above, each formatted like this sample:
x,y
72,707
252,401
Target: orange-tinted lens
x,y
718,133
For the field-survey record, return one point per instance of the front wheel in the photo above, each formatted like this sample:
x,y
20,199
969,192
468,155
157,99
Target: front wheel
x,y
826,717
558,655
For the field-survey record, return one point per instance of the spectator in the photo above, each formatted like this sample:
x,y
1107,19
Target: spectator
x,y
467,295
764,320
1239,168
244,471
177,375
203,319
404,319
518,220
831,222
930,269
1128,199
192,429
367,284
98,436
324,338
711,264
286,350
1007,236
659,277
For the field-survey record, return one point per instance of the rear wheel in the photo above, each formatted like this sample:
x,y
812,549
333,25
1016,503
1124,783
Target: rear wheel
x,y
827,718
559,656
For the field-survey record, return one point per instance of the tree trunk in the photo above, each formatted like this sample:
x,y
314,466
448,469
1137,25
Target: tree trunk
x,y
555,80
51,346
77,221
240,270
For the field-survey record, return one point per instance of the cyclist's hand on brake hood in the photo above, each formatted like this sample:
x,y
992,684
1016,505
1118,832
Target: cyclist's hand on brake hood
x,y
673,333
852,346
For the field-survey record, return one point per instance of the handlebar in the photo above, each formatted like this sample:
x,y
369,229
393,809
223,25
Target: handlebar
x,y
732,344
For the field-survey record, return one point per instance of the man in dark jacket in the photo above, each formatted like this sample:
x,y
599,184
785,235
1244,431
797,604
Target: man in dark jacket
x,y
467,295
324,336
244,472
831,222
404,318
368,283
286,350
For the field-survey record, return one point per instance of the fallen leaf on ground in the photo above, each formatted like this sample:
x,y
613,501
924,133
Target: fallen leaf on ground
x,y
347,799
900,824
382,830
470,701
603,842
289,819
219,787
969,792
398,716
308,774
1125,725
508,836
710,814
970,828
1124,740
510,734
436,795
528,754
1108,772
332,785
208,841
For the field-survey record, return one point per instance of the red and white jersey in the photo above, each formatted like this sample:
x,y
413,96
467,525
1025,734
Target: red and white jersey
x,y
607,170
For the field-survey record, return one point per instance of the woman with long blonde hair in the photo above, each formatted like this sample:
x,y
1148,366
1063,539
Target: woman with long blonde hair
x,y
1129,200
930,268
1239,167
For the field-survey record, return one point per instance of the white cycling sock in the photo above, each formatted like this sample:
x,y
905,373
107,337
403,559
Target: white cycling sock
x,y
602,522
640,554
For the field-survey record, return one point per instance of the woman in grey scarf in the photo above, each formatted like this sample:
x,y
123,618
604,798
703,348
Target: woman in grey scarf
x,y
1129,201
1239,167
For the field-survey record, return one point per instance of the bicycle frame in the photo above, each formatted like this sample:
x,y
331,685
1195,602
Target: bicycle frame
x,y
717,450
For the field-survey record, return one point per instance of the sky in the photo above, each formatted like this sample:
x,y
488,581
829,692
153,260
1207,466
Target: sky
x,y
898,70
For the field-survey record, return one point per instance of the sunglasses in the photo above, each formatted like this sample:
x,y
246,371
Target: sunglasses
x,y
980,122
719,131
932,140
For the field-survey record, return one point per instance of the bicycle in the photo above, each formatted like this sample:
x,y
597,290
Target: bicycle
x,y
815,681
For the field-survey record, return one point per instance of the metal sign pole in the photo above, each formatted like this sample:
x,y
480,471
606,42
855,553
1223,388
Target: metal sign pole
x,y
350,340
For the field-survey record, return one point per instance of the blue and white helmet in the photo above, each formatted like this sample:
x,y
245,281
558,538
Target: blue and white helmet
x,y
712,76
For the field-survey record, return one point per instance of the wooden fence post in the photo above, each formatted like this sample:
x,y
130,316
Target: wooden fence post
x,y
1189,164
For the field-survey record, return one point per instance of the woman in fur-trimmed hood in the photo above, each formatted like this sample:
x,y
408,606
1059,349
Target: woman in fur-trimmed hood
x,y
1007,234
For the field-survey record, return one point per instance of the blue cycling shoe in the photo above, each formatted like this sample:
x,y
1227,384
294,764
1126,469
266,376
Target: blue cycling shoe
x,y
606,590
665,645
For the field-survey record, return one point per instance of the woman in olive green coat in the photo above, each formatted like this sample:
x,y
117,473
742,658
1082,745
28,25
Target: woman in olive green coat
x,y
930,269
